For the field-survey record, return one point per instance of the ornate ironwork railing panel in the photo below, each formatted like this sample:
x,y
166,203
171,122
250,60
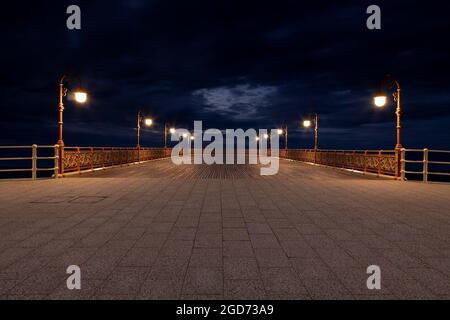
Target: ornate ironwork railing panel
x,y
85,158
382,162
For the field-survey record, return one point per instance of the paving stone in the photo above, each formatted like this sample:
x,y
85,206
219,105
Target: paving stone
x,y
264,241
203,281
244,289
235,234
240,268
238,249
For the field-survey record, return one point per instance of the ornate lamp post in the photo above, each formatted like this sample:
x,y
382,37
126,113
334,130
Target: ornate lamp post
x,y
380,101
307,124
147,121
80,96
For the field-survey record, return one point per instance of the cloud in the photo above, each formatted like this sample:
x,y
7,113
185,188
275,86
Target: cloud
x,y
241,102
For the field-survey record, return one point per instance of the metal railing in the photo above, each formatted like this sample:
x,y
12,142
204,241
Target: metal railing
x,y
424,162
78,159
380,162
34,159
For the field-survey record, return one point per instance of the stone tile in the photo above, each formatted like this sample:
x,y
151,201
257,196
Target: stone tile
x,y
124,281
235,234
208,240
264,241
244,289
6,286
271,258
237,249
139,257
210,227
152,240
166,289
326,289
40,283
203,281
87,291
73,256
282,281
177,248
182,233
169,268
99,267
206,257
236,222
239,268
259,228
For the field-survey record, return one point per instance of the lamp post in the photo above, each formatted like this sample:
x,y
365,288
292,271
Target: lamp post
x,y
307,124
380,101
148,122
81,97
284,130
171,130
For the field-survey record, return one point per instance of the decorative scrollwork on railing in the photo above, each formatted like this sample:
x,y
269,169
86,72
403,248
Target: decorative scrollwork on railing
x,y
78,159
380,162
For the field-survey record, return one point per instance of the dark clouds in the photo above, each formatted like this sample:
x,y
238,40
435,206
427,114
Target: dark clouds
x,y
230,63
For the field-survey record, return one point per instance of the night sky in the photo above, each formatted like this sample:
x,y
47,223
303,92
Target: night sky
x,y
232,64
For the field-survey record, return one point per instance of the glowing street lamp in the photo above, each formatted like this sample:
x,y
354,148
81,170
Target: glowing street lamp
x,y
172,130
380,100
147,121
257,138
266,136
308,123
80,96
280,131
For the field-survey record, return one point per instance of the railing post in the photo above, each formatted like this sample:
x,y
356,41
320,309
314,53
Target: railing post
x,y
92,158
365,161
33,161
379,162
61,156
103,158
56,168
79,159
425,165
403,164
353,159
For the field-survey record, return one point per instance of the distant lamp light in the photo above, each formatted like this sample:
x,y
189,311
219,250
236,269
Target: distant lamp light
x,y
192,138
172,130
148,122
80,96
307,123
279,131
380,100
266,136
257,138
185,135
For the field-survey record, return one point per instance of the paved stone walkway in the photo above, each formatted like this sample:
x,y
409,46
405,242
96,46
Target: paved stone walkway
x,y
155,231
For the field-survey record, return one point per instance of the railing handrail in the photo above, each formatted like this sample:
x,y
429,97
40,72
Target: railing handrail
x,y
34,158
425,163
344,150
115,148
